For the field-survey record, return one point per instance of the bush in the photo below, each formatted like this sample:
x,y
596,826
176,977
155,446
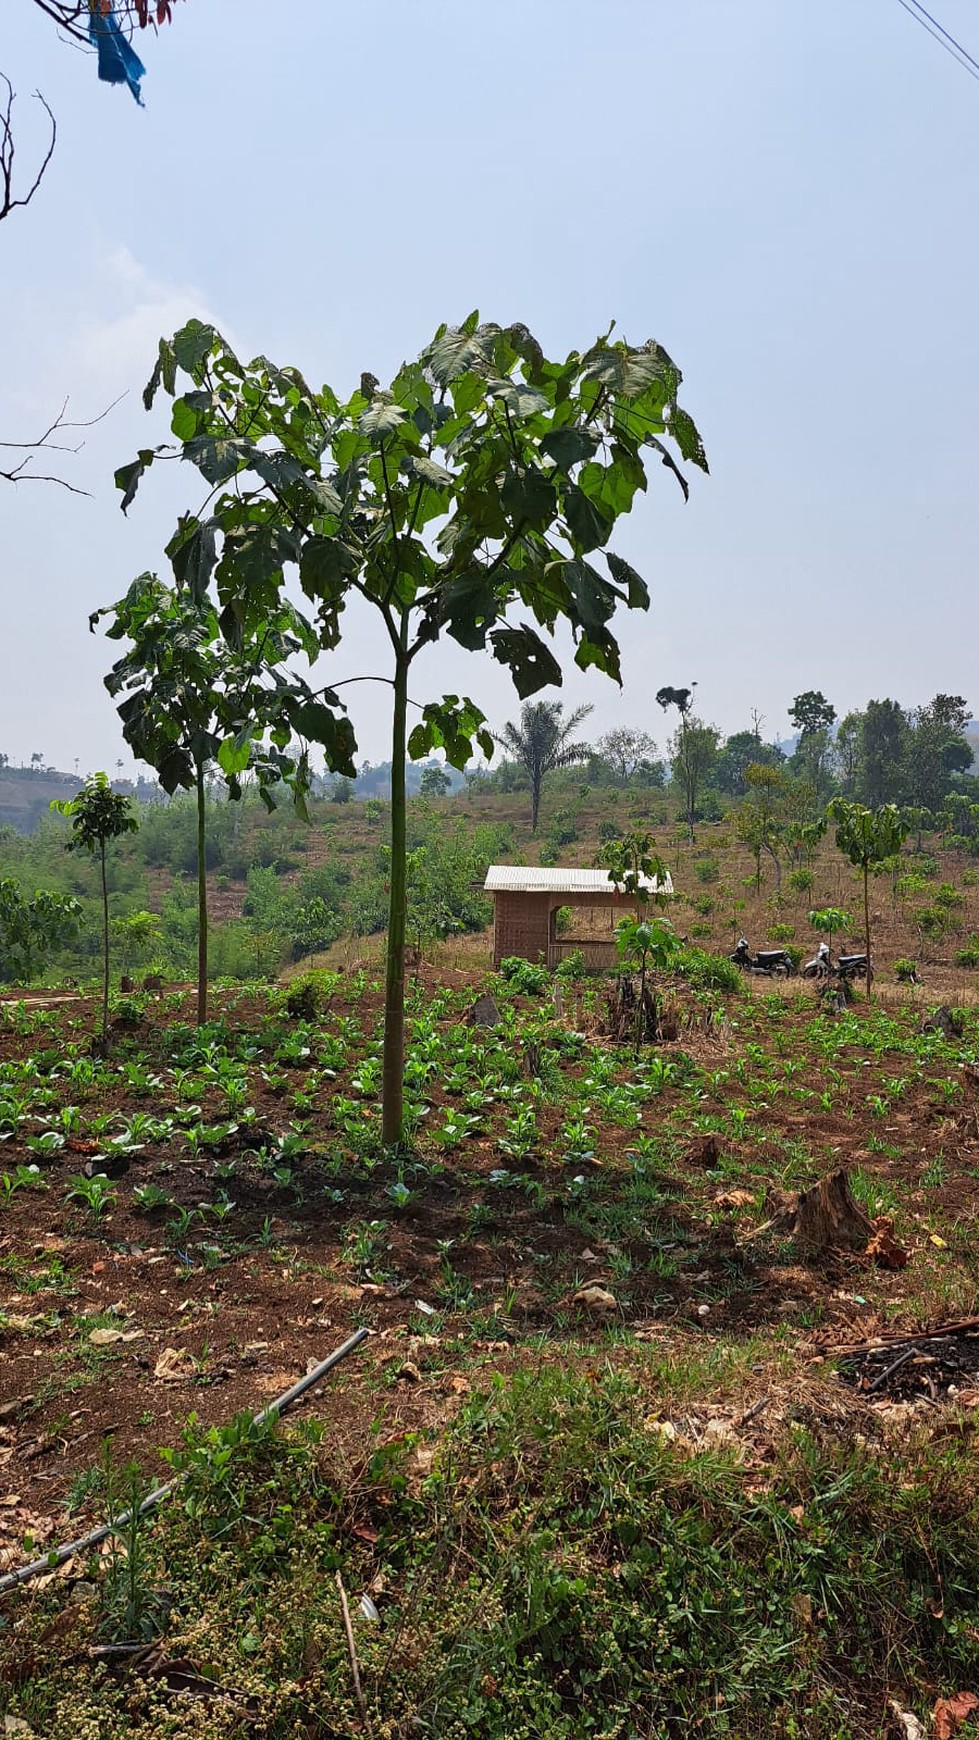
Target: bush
x,y
303,1000
933,921
906,972
800,881
948,897
707,972
524,976
780,933
572,967
706,869
969,955
608,831
906,887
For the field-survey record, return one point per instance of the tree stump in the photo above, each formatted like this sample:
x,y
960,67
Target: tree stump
x,y
828,1216
624,1019
946,1021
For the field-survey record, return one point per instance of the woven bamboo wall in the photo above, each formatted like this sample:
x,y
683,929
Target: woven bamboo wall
x,y
521,926
522,922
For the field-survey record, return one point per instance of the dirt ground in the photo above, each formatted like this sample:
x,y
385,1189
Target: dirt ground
x,y
119,1329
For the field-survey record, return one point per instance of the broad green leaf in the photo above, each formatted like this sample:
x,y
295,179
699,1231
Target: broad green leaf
x,y
184,420
235,754
568,446
637,592
128,477
529,497
193,553
599,650
531,664
429,471
467,607
192,344
593,599
382,418
588,525
325,566
458,352
685,434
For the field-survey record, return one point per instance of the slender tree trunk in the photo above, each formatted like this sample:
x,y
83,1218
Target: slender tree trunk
x,y
392,1092
535,798
105,951
201,901
866,927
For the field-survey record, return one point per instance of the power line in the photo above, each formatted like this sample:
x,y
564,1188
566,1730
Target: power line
x,y
943,37
947,34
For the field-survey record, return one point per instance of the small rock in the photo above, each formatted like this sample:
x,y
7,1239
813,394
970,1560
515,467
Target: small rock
x,y
484,1013
596,1299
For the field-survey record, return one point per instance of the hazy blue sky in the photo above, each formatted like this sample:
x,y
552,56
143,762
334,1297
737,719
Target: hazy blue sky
x,y
783,193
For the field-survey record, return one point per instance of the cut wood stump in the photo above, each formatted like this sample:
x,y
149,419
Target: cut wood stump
x,y
827,1216
824,1217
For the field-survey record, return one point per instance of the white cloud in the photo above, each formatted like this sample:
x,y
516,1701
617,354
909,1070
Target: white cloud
x,y
120,345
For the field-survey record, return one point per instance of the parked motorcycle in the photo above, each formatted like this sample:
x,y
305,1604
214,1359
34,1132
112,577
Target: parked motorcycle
x,y
773,962
822,965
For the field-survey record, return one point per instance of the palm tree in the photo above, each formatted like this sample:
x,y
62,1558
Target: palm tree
x,y
541,743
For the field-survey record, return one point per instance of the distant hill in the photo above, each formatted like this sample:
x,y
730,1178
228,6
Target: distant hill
x,y
26,793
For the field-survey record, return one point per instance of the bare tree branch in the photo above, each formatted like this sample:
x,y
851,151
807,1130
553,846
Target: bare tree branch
x,y
72,15
46,443
8,202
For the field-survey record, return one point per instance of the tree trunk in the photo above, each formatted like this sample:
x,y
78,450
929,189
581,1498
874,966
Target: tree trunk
x,y
201,901
105,952
866,929
535,799
392,1092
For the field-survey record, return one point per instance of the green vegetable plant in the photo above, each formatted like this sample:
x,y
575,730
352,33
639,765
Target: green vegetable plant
x,y
96,1193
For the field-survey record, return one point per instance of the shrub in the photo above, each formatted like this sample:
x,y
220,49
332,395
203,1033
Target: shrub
x,y
906,887
707,972
969,955
779,933
700,930
947,896
573,967
933,921
800,881
906,972
706,869
524,976
704,905
608,831
305,997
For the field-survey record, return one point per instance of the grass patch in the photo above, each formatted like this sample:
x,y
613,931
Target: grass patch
x,y
552,1566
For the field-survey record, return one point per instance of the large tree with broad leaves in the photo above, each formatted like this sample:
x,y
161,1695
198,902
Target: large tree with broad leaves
x,y
466,500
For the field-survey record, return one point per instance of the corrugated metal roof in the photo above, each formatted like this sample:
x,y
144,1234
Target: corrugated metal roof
x,y
543,879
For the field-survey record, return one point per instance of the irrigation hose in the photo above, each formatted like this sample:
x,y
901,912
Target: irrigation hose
x,y
60,1555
